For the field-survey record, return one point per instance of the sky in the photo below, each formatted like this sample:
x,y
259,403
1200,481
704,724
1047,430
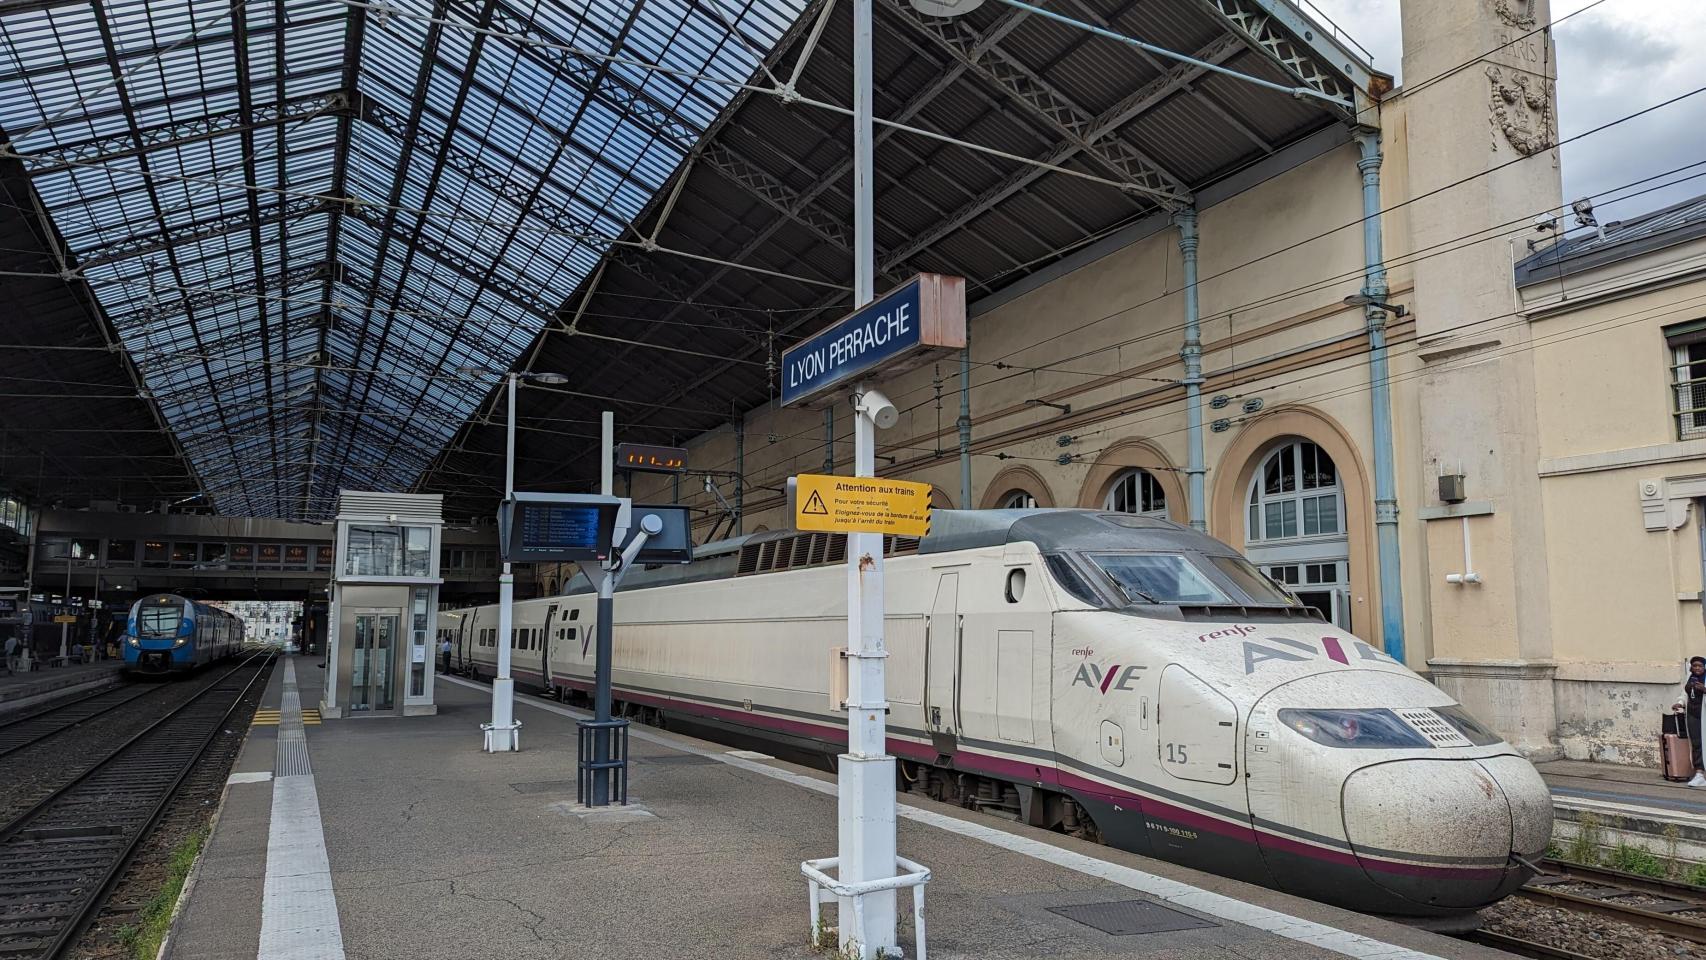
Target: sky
x,y
1613,59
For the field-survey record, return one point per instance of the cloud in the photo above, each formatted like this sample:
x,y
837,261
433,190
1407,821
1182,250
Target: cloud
x,y
1614,58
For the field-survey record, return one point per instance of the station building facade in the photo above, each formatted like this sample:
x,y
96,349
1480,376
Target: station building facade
x,y
1551,582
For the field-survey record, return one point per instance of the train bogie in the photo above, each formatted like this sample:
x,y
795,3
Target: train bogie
x,y
1131,682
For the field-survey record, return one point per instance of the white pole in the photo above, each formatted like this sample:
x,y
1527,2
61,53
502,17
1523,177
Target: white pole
x,y
866,817
502,735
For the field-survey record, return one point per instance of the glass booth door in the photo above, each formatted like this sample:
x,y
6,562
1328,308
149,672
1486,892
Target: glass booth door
x,y
373,687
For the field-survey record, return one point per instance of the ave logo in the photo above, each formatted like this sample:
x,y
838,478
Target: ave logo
x,y
1092,675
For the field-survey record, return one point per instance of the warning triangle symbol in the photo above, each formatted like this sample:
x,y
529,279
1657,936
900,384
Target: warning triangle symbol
x,y
814,504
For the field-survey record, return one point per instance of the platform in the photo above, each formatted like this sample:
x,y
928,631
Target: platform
x,y
21,690
1628,804
421,846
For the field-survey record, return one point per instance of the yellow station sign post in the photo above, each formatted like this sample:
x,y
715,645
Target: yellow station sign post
x,y
861,505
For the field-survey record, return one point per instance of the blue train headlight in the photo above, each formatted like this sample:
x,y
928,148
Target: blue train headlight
x,y
180,641
1354,728
135,641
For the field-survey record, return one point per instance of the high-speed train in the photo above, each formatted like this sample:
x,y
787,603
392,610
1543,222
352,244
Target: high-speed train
x,y
1115,676
166,632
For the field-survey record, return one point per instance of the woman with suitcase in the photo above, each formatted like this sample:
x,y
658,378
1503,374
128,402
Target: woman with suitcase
x,y
1689,705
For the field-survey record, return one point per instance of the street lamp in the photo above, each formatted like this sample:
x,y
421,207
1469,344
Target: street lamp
x,y
502,735
1364,300
945,8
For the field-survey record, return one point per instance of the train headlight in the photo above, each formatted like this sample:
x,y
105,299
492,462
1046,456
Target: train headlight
x,y
1361,729
180,641
135,641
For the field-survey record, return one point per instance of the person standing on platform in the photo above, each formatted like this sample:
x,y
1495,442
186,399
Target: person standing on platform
x,y
11,655
444,651
1691,701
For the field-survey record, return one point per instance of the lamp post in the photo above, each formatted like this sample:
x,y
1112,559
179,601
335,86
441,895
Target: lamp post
x,y
502,732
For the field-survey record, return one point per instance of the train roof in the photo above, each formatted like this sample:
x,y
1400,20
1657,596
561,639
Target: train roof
x,y
1051,529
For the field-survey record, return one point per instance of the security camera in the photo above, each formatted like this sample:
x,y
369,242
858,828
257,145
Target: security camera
x,y
879,408
1546,221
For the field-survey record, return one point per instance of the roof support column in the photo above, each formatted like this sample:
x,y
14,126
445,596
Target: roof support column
x,y
965,423
1380,398
1185,218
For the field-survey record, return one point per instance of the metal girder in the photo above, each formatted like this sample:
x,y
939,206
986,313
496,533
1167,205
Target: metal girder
x,y
785,199
1133,106
626,99
119,145
135,245
1276,29
522,296
436,320
221,289
472,167
1045,102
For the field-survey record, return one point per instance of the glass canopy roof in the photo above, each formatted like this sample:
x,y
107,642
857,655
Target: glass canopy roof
x,y
308,219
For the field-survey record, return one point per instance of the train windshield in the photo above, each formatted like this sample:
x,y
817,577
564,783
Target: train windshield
x,y
1253,582
1157,578
159,619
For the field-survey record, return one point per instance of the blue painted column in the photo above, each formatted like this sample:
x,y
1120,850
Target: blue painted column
x,y
1186,220
1380,400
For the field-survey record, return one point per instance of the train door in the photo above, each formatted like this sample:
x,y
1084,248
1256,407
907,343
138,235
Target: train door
x,y
545,649
942,658
1197,729
465,634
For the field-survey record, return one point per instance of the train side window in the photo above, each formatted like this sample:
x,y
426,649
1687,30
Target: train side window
x,y
574,614
1016,585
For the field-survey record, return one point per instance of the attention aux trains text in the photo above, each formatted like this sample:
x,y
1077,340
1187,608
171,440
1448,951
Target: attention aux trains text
x,y
824,359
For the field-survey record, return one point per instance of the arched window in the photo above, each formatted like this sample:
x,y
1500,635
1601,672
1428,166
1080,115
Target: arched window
x,y
1296,494
1136,491
1017,500
1296,527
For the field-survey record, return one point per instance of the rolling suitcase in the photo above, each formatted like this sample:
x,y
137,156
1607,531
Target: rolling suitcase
x,y
1676,754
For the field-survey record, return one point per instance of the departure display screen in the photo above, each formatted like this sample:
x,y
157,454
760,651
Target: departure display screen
x,y
560,532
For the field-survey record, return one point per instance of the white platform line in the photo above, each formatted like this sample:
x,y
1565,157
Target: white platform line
x,y
299,911
253,776
1176,892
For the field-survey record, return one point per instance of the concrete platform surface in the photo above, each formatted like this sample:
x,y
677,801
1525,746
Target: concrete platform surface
x,y
441,852
1616,804
20,690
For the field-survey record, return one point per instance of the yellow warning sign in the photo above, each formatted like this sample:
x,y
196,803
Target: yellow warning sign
x,y
64,618
862,505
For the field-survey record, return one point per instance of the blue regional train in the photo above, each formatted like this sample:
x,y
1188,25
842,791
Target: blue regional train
x,y
168,633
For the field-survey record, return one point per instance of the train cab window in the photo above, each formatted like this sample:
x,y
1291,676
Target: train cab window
x,y
1069,579
1157,578
159,619
1251,582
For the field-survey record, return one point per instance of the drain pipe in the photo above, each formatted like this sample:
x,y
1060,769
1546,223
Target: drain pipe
x,y
1380,398
1185,218
965,423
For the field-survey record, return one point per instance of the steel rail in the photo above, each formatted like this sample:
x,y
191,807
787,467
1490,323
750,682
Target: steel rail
x,y
35,727
1657,917
1523,948
61,858
1675,889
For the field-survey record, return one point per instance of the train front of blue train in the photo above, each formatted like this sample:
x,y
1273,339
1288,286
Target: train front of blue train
x,y
167,633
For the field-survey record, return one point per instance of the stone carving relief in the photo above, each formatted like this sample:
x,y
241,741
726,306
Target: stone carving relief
x,y
1517,13
1521,110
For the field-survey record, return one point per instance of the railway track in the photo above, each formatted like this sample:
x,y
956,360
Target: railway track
x,y
59,858
1663,906
32,728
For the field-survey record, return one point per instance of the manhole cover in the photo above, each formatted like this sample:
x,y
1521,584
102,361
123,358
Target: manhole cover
x,y
1124,918
678,759
544,786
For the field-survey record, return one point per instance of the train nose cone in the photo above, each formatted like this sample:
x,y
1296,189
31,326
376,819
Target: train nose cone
x,y
1441,832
